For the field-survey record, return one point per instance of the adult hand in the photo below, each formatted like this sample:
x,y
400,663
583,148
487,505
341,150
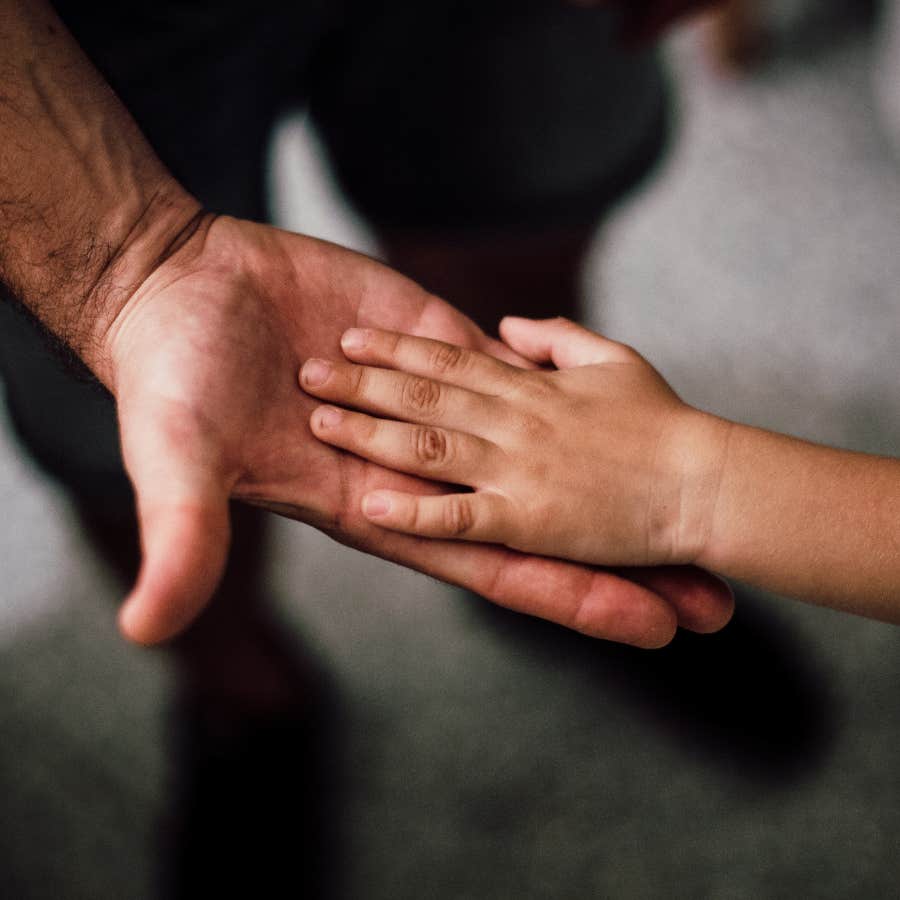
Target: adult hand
x,y
199,326
203,360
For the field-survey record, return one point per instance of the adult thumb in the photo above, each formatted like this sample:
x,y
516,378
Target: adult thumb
x,y
182,508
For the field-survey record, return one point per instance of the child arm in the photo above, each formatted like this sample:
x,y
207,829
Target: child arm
x,y
809,521
601,462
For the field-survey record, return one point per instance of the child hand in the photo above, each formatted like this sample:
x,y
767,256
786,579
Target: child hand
x,y
597,461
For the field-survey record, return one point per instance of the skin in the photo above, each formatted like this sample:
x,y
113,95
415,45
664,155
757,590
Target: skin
x,y
198,324
228,322
598,460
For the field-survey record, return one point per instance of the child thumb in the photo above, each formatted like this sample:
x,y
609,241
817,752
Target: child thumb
x,y
561,342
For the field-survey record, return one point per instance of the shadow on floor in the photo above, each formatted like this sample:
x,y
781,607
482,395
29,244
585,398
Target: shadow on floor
x,y
749,699
256,811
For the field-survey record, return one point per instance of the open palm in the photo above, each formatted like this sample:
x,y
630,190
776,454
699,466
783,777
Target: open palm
x,y
204,359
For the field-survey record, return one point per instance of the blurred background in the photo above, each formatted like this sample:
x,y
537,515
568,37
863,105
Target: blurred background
x,y
466,752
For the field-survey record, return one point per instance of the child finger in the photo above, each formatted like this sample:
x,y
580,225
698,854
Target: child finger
x,y
398,395
562,342
432,359
423,450
470,517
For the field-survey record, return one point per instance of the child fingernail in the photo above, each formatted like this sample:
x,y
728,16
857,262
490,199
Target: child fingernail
x,y
315,372
328,417
355,339
376,505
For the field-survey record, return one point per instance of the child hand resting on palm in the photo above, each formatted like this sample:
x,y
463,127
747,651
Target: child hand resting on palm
x,y
599,461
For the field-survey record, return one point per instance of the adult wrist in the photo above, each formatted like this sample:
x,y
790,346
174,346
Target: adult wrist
x,y
86,207
151,233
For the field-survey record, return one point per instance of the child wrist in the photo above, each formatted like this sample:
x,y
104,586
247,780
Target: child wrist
x,y
696,458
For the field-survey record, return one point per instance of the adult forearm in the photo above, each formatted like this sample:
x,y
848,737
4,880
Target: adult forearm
x,y
809,521
86,207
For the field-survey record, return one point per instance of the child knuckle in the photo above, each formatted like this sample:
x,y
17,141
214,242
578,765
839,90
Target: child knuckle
x,y
392,344
357,381
412,515
537,471
420,395
530,426
369,430
458,516
543,389
431,446
448,358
